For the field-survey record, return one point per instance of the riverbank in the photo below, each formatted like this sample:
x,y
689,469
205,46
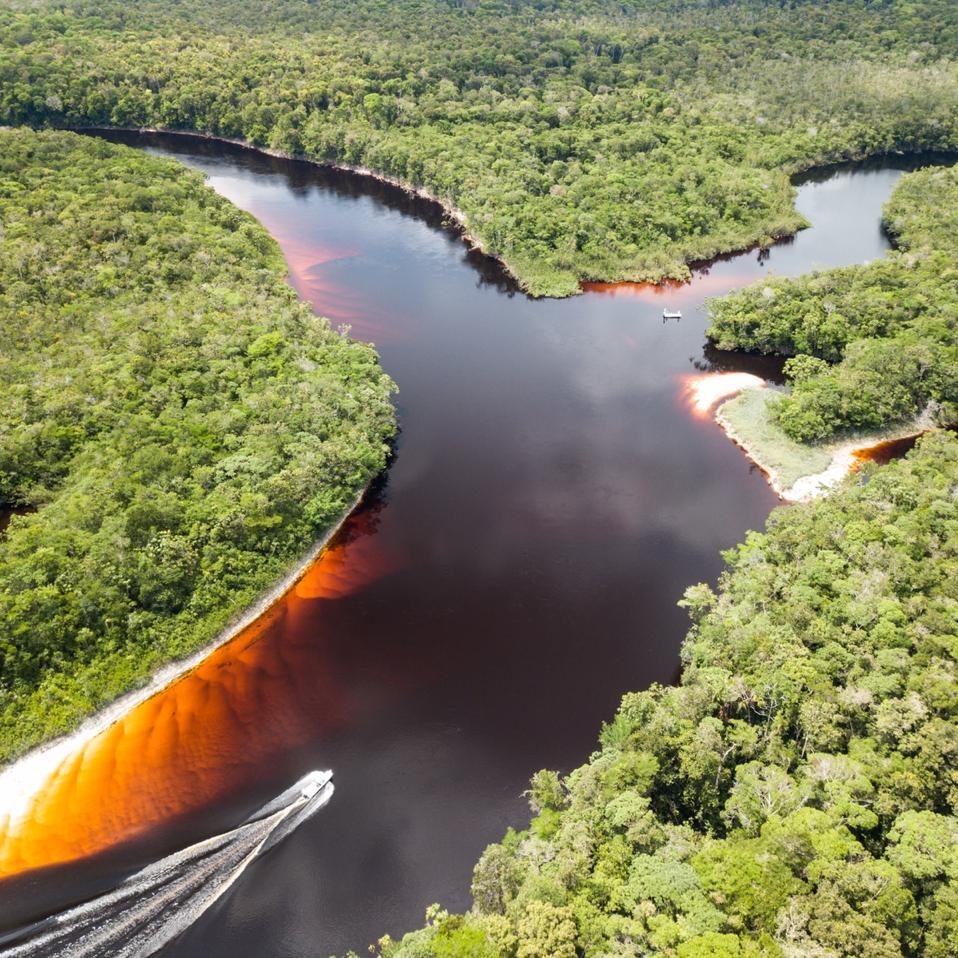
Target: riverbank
x,y
22,779
799,472
185,480
529,279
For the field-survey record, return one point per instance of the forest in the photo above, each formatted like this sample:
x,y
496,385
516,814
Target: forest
x,y
870,345
796,793
574,140
179,427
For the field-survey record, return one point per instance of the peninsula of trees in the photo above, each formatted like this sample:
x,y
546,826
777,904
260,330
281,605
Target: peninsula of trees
x,y
871,345
180,426
576,140
796,794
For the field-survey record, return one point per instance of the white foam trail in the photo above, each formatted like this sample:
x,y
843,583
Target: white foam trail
x,y
152,907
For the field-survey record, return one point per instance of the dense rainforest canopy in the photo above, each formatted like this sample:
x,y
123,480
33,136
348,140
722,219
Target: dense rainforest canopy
x,y
184,427
872,344
579,140
181,424
796,795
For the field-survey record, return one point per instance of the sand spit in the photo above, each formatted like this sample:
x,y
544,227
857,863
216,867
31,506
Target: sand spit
x,y
710,392
845,457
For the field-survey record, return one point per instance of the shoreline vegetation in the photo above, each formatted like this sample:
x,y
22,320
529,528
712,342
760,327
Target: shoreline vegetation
x,y
573,141
22,777
798,472
796,793
182,425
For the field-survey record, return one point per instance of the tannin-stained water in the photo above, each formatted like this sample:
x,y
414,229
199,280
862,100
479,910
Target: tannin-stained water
x,y
883,452
148,910
515,571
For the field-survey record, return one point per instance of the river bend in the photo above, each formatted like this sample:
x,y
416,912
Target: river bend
x,y
515,571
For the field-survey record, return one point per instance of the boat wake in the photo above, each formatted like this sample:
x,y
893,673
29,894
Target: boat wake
x,y
149,909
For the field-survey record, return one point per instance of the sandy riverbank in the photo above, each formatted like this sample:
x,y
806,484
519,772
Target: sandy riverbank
x,y
23,778
798,472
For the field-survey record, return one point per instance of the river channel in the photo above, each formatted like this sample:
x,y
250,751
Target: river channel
x,y
513,573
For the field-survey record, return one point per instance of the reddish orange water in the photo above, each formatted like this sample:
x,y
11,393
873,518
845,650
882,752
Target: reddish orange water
x,y
706,391
190,744
883,452
673,290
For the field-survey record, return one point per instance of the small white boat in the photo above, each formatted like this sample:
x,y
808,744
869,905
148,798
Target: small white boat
x,y
310,790
152,907
671,314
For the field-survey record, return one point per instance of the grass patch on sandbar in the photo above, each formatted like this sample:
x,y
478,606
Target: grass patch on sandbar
x,y
748,420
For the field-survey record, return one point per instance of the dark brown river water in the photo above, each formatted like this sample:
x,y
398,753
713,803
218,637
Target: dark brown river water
x,y
515,571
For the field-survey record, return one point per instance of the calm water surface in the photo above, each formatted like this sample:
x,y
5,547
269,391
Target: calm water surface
x,y
514,573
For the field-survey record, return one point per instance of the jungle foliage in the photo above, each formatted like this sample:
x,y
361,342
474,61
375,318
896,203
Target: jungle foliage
x,y
185,427
181,425
872,344
796,794
579,140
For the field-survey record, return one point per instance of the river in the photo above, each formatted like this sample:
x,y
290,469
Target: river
x,y
514,572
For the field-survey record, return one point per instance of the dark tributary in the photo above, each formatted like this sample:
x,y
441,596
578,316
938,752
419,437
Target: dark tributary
x,y
515,571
